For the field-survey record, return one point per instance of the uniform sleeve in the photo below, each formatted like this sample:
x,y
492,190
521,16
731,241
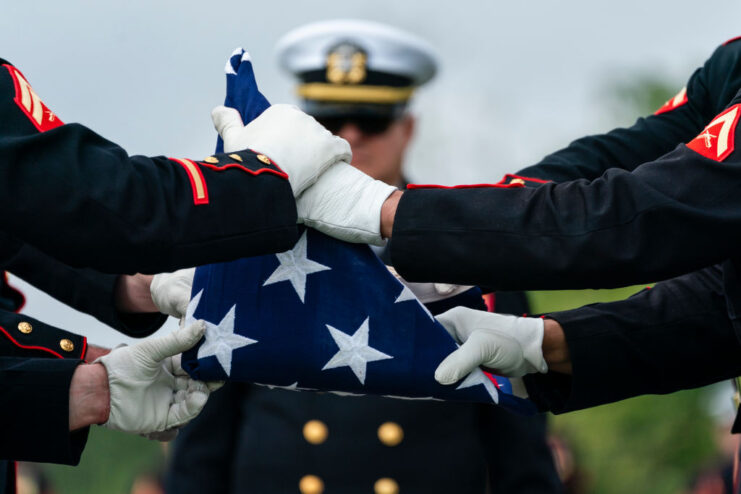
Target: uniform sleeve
x,y
707,92
83,289
675,215
35,411
83,199
37,362
677,335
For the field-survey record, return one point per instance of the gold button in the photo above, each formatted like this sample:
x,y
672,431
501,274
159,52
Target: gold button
x,y
25,327
315,431
211,159
386,486
390,433
518,181
311,484
66,345
264,159
236,157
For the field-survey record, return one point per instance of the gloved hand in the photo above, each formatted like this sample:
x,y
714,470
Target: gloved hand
x,y
149,391
296,142
345,203
171,291
510,345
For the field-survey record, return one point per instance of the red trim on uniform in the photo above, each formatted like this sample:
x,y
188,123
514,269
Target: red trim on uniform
x,y
197,181
23,302
674,102
708,143
732,40
467,186
27,347
502,184
278,172
490,300
84,348
511,176
30,104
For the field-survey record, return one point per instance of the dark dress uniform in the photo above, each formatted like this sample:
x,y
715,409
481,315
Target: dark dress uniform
x,y
37,360
69,195
641,206
653,217
255,439
81,199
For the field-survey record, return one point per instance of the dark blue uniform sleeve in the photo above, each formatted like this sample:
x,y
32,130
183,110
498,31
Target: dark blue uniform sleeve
x,y
677,335
83,289
82,199
707,92
671,216
37,362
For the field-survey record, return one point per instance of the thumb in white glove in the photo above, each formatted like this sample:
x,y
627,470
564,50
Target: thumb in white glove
x,y
512,346
149,391
171,291
292,139
345,203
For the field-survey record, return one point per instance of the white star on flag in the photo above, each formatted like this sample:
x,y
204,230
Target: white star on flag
x,y
478,377
295,267
407,294
354,351
221,340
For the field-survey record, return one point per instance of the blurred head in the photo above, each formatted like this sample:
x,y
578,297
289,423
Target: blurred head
x,y
378,143
357,79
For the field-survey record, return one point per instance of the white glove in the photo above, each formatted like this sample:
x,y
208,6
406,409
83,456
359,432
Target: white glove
x,y
171,291
149,390
430,292
345,203
292,139
508,344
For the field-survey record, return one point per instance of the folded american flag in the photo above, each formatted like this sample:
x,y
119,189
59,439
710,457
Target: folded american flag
x,y
326,315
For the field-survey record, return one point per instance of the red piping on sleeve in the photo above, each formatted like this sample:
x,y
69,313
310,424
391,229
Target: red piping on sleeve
x,y
467,186
732,40
521,177
27,347
218,168
499,185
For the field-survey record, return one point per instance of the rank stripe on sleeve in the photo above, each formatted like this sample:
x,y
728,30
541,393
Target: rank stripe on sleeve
x,y
678,100
30,104
197,181
717,140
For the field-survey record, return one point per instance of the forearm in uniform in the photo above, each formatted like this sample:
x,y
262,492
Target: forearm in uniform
x,y
115,213
37,362
83,289
677,335
623,228
36,399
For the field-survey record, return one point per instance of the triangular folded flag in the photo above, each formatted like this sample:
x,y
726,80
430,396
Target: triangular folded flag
x,y
325,315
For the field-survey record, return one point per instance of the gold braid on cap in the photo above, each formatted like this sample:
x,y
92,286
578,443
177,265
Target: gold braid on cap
x,y
354,94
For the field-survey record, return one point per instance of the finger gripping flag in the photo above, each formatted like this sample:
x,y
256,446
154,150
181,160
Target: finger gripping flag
x,y
326,315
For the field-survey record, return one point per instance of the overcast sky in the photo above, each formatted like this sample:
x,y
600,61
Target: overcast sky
x,y
516,79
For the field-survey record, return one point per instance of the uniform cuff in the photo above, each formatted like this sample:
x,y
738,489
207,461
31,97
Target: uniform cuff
x,y
35,411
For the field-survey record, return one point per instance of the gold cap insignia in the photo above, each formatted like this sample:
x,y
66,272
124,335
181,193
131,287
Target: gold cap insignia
x,y
346,64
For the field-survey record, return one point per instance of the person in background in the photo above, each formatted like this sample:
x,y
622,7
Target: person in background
x,y
357,78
